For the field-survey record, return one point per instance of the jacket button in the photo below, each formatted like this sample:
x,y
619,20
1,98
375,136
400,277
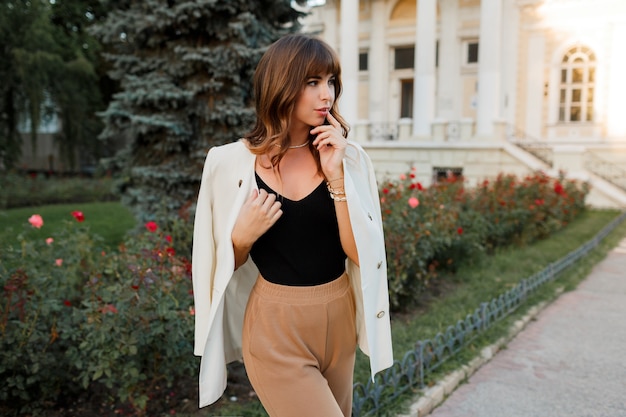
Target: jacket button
x,y
370,216
380,314
379,264
240,182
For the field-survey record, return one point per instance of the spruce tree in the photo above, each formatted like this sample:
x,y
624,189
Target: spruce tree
x,y
185,68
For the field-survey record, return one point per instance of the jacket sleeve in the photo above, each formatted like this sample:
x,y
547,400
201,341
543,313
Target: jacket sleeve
x,y
203,257
370,277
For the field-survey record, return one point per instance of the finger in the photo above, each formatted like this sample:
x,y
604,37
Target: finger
x,y
269,201
274,218
334,122
327,141
323,138
274,208
253,195
260,198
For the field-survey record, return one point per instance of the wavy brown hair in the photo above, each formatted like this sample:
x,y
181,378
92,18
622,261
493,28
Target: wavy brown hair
x,y
279,80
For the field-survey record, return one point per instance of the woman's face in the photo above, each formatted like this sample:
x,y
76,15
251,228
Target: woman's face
x,y
314,102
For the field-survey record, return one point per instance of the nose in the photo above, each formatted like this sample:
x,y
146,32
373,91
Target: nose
x,y
327,92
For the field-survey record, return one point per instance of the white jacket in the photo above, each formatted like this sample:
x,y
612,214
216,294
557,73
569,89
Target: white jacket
x,y
221,295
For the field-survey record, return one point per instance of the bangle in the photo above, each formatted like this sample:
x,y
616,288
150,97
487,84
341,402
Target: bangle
x,y
337,198
332,191
336,195
336,179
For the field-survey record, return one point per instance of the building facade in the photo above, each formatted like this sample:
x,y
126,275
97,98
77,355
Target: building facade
x,y
485,86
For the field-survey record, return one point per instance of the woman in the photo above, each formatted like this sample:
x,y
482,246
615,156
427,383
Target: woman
x,y
288,230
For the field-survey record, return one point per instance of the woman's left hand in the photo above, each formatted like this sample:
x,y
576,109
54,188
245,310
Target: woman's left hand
x,y
331,145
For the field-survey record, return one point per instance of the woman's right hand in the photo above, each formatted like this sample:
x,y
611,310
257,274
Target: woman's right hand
x,y
257,215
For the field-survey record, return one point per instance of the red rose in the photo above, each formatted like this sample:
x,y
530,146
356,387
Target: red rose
x,y
151,226
79,216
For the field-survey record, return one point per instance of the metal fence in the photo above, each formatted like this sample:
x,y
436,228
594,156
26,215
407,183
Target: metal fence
x,y
418,364
539,148
611,172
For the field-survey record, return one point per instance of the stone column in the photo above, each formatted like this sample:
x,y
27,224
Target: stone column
x,y
449,80
378,69
489,66
349,55
616,119
510,55
535,63
329,18
424,81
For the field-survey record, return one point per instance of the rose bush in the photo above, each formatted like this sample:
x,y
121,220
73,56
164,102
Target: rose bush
x,y
428,230
76,319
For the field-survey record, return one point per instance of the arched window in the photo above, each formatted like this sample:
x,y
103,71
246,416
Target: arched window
x,y
578,76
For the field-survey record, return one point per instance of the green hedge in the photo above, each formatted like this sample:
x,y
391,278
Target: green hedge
x,y
37,190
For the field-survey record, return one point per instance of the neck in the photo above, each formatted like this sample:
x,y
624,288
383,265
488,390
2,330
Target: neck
x,y
299,135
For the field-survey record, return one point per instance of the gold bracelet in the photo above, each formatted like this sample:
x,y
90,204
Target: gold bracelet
x,y
336,179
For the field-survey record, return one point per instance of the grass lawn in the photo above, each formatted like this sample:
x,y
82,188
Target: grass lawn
x,y
110,220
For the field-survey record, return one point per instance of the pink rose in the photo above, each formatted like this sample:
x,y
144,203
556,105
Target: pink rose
x,y
49,241
109,308
58,262
36,221
414,202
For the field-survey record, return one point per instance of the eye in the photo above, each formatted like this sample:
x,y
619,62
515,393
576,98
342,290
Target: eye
x,y
312,82
332,81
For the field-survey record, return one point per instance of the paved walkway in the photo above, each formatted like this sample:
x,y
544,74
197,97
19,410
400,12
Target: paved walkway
x,y
570,361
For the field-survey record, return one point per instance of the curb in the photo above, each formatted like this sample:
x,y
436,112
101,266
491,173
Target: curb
x,y
434,396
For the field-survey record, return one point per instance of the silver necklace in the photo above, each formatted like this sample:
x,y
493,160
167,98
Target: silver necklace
x,y
302,145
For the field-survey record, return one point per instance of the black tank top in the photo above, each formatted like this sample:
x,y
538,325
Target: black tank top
x,y
302,248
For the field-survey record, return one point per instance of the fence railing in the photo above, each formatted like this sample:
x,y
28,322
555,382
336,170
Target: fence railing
x,y
419,364
540,149
611,172
383,131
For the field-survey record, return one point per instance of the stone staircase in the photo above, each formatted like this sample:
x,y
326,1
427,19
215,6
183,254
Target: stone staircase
x,y
607,180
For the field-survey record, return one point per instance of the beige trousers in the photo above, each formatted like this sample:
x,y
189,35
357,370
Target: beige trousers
x,y
299,345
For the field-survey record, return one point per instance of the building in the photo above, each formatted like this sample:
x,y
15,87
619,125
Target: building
x,y
482,87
